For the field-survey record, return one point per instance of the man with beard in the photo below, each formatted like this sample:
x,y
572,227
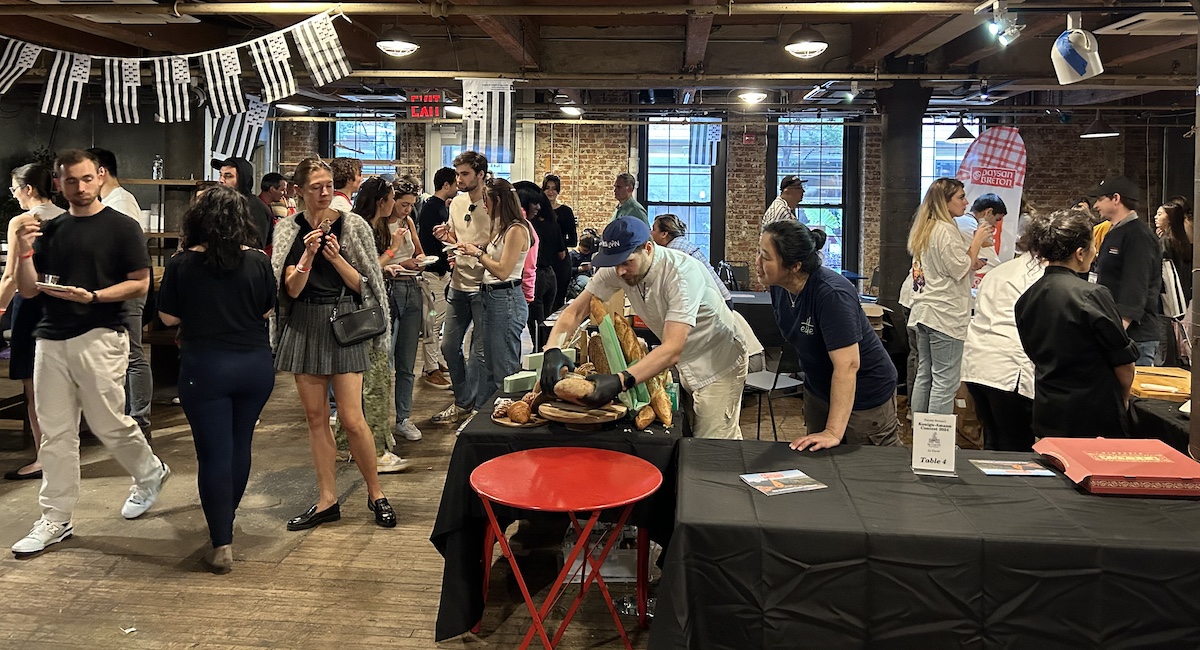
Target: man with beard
x,y
679,301
94,259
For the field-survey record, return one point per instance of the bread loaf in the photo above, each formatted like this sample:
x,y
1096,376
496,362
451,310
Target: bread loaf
x,y
596,355
519,412
629,342
573,389
599,311
644,417
661,404
586,369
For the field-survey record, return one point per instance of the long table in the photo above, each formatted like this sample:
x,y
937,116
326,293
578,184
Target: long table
x,y
883,558
461,520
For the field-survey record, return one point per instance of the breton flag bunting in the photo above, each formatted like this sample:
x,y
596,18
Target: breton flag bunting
x,y
321,50
704,139
122,77
237,135
171,77
18,57
222,69
488,121
271,58
65,83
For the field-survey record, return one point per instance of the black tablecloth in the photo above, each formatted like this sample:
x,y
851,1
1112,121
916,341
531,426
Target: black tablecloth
x,y
461,520
887,559
1156,418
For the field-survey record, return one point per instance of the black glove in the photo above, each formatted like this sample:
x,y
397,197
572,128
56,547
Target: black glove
x,y
553,363
607,389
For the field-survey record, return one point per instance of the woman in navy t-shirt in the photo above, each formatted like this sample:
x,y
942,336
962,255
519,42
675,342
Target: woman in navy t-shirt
x,y
850,382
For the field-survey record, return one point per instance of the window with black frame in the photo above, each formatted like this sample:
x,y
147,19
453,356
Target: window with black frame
x,y
813,149
678,181
366,140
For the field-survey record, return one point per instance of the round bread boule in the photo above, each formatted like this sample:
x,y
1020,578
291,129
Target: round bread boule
x,y
573,389
519,412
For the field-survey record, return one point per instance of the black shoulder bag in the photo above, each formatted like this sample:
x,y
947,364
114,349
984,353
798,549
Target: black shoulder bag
x,y
359,325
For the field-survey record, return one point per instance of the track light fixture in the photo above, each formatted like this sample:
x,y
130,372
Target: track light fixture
x,y
984,94
1003,24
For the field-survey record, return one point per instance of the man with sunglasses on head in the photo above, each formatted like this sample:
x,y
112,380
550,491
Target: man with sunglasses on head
x,y
469,223
791,193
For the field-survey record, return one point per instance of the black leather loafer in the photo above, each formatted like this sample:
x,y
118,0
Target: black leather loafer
x,y
385,516
311,518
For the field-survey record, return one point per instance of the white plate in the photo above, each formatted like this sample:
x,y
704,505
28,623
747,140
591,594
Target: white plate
x,y
449,247
48,285
428,259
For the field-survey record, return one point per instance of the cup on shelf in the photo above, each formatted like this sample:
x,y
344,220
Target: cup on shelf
x,y
144,219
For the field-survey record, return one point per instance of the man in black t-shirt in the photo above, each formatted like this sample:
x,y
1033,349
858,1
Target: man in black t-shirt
x,y
238,173
434,212
87,261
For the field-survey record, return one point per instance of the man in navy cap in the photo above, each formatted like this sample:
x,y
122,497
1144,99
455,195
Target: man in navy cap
x,y
679,301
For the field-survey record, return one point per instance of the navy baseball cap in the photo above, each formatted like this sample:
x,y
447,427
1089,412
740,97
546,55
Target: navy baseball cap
x,y
619,239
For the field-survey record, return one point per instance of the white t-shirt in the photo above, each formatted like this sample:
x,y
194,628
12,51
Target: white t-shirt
x,y
341,203
468,272
122,201
943,303
678,288
993,355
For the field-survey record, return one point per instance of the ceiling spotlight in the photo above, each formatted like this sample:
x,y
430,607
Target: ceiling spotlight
x,y
455,110
1010,34
1099,129
752,96
961,134
397,42
806,43
853,92
571,109
293,108
983,90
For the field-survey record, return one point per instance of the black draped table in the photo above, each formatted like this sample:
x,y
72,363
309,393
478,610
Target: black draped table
x,y
1156,418
461,521
883,558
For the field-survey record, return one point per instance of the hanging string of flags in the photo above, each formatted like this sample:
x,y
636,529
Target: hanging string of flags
x,y
315,38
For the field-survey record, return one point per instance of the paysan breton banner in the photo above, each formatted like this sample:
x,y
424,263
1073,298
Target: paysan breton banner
x,y
995,163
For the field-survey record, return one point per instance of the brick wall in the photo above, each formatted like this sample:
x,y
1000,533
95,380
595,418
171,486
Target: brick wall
x,y
745,173
298,140
872,178
410,145
587,157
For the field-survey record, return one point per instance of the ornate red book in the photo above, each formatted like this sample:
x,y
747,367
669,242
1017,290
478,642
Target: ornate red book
x,y
1123,466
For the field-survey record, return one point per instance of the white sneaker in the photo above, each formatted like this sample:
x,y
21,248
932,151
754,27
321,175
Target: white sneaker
x,y
43,534
142,498
407,429
452,415
390,463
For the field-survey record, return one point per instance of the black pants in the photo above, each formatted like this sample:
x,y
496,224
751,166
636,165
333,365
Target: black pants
x,y
1007,418
542,306
562,277
223,393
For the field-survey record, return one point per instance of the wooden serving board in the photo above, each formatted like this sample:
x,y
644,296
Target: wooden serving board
x,y
534,421
1170,384
576,415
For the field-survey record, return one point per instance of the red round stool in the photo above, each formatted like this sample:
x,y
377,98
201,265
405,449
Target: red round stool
x,y
570,480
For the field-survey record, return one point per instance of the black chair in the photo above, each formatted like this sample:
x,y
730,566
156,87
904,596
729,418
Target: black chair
x,y
735,275
775,384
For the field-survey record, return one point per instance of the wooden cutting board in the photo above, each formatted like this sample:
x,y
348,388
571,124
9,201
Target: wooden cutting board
x,y
575,414
1170,384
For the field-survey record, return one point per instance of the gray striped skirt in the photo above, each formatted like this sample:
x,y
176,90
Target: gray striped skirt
x,y
307,346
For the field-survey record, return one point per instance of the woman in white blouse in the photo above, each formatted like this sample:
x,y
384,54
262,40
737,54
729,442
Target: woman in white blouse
x,y
944,263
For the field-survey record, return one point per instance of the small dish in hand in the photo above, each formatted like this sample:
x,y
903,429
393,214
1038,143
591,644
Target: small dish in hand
x,y
52,286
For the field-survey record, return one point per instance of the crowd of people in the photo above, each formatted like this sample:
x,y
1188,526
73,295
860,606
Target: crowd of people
x,y
446,284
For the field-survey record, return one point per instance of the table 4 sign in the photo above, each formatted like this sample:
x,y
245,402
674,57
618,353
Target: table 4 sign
x,y
933,444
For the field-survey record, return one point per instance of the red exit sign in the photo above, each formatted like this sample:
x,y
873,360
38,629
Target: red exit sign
x,y
425,105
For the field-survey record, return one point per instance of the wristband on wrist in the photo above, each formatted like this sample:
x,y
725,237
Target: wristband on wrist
x,y
95,297
301,269
389,253
628,381
27,255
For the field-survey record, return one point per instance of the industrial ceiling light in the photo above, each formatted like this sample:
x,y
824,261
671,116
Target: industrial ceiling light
x,y
961,134
293,108
1010,33
571,109
983,90
752,96
806,43
397,42
1099,129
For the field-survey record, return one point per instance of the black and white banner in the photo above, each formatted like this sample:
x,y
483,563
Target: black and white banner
x,y
703,139
222,69
489,124
171,78
321,50
272,59
18,58
237,135
122,77
64,85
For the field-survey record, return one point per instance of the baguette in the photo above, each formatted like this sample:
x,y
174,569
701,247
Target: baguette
x,y
644,417
599,311
596,354
629,342
661,404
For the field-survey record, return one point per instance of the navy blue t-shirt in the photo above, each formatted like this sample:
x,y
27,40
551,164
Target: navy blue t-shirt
x,y
827,316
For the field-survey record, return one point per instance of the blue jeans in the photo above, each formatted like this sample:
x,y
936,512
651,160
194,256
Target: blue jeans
x,y
407,308
467,374
139,383
939,370
1147,352
504,314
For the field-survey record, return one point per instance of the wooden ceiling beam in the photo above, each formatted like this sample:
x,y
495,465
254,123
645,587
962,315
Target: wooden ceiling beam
x,y
1132,49
36,31
519,36
697,31
877,38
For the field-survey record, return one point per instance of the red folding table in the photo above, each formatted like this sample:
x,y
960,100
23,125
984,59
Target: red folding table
x,y
570,480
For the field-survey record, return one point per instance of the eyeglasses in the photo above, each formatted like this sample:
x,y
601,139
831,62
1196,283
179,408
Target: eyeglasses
x,y
15,188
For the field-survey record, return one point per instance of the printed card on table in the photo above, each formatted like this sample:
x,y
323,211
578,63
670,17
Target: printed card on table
x,y
1011,467
788,480
933,444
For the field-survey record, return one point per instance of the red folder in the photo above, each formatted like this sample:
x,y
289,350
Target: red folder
x,y
1123,466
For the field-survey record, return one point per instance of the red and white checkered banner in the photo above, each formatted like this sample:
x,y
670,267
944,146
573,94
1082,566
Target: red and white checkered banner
x,y
995,164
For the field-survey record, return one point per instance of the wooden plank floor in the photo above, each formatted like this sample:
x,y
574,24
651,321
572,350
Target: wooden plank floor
x,y
140,584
